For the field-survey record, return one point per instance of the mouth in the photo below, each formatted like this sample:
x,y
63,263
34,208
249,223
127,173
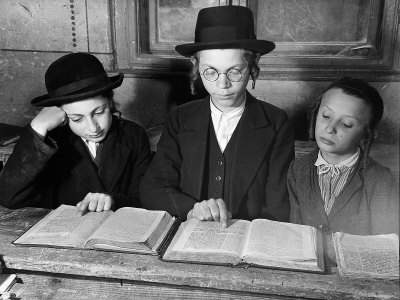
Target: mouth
x,y
225,95
326,141
95,136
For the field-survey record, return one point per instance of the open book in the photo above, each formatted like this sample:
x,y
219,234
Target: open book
x,y
6,282
368,256
261,243
128,229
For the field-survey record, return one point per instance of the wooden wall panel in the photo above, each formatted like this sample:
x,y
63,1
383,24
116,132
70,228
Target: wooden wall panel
x,y
43,25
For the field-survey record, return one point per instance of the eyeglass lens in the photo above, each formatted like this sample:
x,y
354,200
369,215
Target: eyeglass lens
x,y
212,75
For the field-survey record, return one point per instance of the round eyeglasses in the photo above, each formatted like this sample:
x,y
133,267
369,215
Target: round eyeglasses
x,y
233,75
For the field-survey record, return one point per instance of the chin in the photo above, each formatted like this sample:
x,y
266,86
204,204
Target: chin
x,y
326,148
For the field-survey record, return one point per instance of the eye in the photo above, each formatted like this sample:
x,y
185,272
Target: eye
x,y
234,72
76,120
99,112
325,116
209,71
347,125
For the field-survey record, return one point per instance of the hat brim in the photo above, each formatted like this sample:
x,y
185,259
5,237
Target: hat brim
x,y
260,46
46,100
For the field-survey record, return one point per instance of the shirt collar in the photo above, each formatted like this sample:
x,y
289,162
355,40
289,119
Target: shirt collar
x,y
349,162
235,112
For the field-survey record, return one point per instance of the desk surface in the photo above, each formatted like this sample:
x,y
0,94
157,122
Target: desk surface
x,y
53,271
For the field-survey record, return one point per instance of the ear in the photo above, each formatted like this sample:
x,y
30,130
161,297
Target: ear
x,y
193,60
257,59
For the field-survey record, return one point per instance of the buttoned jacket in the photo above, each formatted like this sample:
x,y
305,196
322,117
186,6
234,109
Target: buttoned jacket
x,y
368,203
59,169
264,148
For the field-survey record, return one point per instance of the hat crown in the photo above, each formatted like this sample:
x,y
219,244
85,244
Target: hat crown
x,y
225,27
76,71
74,77
224,23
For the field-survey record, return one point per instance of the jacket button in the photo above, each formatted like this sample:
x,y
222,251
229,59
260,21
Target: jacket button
x,y
324,228
218,178
219,163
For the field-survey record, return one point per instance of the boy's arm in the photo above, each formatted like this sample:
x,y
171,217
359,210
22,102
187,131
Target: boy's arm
x,y
277,203
143,159
295,216
19,180
160,187
384,202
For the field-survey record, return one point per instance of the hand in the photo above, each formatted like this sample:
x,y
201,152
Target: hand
x,y
211,210
95,202
48,119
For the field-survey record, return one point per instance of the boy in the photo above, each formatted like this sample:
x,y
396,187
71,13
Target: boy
x,y
227,154
96,162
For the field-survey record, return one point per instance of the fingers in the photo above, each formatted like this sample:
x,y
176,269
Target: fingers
x,y
211,210
48,119
214,209
95,202
82,206
108,203
201,211
223,212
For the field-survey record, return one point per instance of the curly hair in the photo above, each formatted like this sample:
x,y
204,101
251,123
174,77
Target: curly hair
x,y
362,90
113,105
249,55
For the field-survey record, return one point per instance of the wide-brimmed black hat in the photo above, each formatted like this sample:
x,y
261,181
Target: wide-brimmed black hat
x,y
225,27
74,77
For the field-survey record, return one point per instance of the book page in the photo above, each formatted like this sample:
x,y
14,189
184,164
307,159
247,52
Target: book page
x,y
131,228
63,227
281,241
207,241
367,256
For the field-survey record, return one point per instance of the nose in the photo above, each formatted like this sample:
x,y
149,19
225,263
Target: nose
x,y
331,127
223,81
92,126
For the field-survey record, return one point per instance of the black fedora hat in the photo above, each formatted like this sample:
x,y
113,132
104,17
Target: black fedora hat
x,y
225,27
74,77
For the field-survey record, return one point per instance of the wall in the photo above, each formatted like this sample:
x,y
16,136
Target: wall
x,y
33,33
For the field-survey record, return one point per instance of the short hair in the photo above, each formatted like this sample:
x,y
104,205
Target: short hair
x,y
363,91
249,55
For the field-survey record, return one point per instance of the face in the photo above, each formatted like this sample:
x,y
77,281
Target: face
x,y
90,118
341,123
225,94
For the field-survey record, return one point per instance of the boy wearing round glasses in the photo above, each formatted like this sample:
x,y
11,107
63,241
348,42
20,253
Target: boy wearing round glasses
x,y
225,155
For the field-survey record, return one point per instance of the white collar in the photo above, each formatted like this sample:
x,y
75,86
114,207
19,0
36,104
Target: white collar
x,y
230,114
349,162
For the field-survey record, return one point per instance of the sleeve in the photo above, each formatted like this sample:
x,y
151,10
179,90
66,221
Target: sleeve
x,y
295,216
142,161
160,188
384,203
277,202
20,180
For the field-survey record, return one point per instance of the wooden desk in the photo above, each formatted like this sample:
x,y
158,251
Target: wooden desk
x,y
49,273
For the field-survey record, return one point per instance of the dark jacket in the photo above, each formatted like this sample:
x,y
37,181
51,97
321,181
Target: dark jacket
x,y
368,203
59,169
264,149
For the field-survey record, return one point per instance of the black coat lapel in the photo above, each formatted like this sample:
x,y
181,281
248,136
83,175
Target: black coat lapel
x,y
312,181
353,184
194,140
81,165
253,140
114,158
